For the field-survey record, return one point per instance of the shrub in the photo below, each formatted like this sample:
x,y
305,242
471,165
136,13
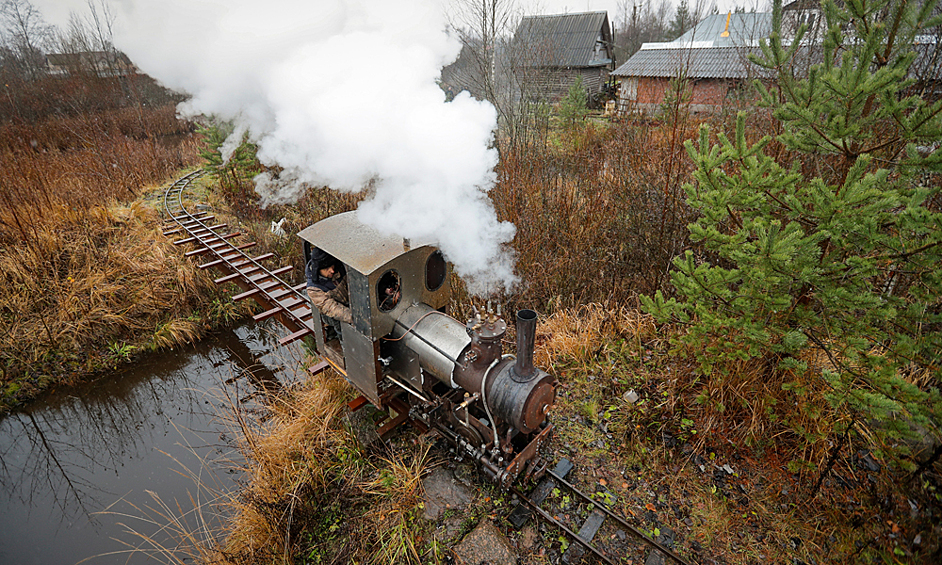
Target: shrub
x,y
826,284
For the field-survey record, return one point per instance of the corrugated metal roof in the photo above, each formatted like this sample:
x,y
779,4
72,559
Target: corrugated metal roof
x,y
718,62
653,60
741,30
717,47
565,40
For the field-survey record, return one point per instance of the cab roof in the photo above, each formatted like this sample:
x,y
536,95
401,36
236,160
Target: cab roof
x,y
357,245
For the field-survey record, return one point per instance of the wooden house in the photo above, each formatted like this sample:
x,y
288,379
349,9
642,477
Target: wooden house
x,y
550,52
101,63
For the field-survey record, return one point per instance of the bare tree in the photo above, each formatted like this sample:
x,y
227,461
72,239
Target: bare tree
x,y
90,37
481,25
26,34
639,22
489,65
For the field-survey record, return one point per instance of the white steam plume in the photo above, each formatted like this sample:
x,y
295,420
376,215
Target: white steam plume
x,y
342,93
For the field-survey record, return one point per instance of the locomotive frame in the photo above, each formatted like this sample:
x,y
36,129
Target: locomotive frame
x,y
407,356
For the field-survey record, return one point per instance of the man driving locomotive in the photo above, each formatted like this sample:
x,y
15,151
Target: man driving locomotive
x,y
327,288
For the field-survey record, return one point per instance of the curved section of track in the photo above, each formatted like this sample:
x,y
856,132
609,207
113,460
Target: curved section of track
x,y
279,299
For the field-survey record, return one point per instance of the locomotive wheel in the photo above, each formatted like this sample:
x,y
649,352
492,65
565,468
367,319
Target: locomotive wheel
x,y
470,434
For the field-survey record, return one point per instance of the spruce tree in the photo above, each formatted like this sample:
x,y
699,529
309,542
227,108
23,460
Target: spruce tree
x,y
682,22
821,247
575,106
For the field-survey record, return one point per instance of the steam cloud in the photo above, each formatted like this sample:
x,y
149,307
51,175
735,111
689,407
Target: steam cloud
x,y
341,93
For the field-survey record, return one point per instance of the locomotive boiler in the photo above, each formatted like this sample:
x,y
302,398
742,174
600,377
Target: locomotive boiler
x,y
407,356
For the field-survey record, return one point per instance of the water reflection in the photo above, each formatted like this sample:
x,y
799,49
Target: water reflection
x,y
101,446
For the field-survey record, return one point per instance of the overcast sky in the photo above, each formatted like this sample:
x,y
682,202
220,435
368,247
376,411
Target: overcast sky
x,y
57,11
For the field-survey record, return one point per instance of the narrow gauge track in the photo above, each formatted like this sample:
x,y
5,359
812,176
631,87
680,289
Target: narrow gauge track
x,y
289,305
280,300
582,541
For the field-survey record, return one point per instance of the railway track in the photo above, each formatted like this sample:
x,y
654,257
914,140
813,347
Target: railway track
x,y
214,243
289,305
582,542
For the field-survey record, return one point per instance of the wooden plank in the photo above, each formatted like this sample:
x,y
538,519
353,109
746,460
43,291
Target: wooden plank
x,y
212,264
194,219
521,513
237,264
285,291
199,251
392,424
280,308
191,217
292,303
254,291
198,233
320,368
587,533
203,250
265,275
294,337
268,314
247,294
241,273
356,403
218,240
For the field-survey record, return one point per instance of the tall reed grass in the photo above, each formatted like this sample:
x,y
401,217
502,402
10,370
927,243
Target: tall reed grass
x,y
87,277
317,495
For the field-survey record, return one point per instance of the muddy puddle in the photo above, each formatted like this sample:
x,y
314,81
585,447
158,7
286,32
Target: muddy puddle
x,y
77,468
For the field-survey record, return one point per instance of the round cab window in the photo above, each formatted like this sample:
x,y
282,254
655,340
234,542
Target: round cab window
x,y
388,292
435,271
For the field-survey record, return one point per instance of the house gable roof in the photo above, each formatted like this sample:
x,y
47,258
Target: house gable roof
x,y
728,30
717,47
719,63
566,40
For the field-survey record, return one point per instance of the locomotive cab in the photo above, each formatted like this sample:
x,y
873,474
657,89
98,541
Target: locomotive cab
x,y
404,352
384,274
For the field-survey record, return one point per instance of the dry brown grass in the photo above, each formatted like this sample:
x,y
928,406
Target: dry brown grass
x,y
316,495
397,494
88,279
94,287
574,335
290,460
78,164
598,220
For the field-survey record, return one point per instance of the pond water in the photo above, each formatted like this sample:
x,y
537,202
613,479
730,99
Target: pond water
x,y
78,467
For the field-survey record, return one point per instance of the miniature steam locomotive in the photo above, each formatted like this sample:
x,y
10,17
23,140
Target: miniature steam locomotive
x,y
407,356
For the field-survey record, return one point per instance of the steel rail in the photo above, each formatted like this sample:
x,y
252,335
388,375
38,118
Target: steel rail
x,y
546,516
618,519
276,296
587,543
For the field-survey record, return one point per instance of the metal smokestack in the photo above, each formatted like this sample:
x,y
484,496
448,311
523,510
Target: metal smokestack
x,y
523,369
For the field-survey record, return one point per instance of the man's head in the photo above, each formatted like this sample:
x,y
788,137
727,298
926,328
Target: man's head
x,y
328,270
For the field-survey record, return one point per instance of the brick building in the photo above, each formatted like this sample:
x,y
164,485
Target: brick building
x,y
712,58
